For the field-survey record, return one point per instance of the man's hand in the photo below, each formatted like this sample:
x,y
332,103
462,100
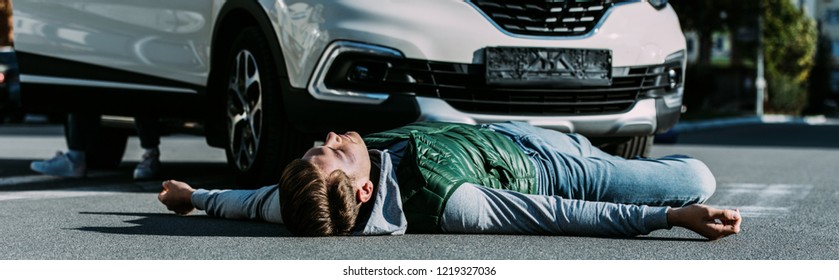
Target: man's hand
x,y
709,222
177,196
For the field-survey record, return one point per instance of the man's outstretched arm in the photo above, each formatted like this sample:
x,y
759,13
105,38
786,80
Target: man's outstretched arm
x,y
260,204
476,209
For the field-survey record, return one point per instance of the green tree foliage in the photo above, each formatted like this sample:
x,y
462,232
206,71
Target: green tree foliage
x,y
789,39
789,42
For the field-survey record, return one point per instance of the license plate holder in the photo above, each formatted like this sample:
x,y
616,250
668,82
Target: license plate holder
x,y
548,67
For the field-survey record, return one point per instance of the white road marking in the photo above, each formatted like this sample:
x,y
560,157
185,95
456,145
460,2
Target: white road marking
x,y
98,190
27,179
64,193
171,150
38,178
69,192
760,200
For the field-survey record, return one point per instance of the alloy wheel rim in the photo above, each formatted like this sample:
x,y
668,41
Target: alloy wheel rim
x,y
244,110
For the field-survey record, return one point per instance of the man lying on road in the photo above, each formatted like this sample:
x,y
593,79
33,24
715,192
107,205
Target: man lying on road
x,y
505,178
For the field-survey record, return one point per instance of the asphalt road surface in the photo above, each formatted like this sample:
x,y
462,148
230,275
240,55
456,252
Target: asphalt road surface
x,y
783,177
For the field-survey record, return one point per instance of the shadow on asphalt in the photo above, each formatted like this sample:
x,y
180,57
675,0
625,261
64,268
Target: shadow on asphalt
x,y
173,225
766,135
677,239
161,224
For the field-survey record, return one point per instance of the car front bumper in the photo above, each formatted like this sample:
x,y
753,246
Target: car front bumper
x,y
647,117
636,33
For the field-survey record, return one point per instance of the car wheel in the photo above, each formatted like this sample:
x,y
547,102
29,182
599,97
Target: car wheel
x,y
260,140
107,149
639,146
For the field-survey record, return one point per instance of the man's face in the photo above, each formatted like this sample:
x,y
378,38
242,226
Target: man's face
x,y
342,151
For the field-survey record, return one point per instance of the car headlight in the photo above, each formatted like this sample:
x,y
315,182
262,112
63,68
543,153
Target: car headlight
x,y
665,79
658,4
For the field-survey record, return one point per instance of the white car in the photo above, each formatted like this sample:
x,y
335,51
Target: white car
x,y
263,77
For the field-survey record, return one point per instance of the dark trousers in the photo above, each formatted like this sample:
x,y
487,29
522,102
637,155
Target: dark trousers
x,y
83,128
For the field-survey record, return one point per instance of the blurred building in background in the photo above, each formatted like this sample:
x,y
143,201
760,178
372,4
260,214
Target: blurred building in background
x,y
827,14
721,45
799,40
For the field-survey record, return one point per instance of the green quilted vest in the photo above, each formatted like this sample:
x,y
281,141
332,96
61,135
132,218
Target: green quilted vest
x,y
442,156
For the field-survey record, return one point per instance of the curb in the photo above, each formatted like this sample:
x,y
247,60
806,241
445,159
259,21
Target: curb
x,y
689,126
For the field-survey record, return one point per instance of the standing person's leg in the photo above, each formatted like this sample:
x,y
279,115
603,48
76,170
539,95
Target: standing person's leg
x,y
571,167
148,130
81,130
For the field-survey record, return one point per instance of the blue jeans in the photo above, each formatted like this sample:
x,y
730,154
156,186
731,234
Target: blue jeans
x,y
569,166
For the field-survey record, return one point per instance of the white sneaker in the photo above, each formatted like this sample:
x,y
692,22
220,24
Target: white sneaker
x,y
60,165
148,167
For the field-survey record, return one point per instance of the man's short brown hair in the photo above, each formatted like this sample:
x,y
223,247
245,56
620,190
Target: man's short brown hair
x,y
312,205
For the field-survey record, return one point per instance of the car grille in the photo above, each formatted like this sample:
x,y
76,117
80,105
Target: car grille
x,y
463,86
545,17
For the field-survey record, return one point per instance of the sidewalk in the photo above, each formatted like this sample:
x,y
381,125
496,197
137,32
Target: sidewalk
x,y
688,126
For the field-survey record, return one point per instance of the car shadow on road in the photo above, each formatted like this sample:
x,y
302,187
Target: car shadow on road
x,y
164,224
766,135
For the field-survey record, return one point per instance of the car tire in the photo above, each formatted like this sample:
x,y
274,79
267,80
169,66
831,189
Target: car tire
x,y
107,149
638,146
260,140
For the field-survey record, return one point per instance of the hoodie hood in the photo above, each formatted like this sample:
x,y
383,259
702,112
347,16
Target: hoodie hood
x,y
382,215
